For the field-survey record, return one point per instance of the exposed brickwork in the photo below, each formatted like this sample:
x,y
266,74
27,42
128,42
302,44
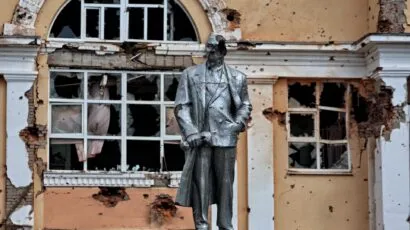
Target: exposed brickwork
x,y
391,16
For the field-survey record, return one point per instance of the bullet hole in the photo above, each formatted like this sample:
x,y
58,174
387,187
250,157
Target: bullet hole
x,y
365,179
330,208
248,210
21,97
286,60
310,192
162,209
145,196
292,186
347,219
346,202
268,53
110,196
40,102
331,58
273,218
233,16
293,12
100,213
181,217
258,24
261,69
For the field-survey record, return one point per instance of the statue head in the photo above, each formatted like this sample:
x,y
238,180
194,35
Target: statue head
x,y
215,49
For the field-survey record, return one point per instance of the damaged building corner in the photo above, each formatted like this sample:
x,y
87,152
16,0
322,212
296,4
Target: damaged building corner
x,y
392,17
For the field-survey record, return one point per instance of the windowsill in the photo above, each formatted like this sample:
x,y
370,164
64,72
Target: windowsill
x,y
107,179
327,172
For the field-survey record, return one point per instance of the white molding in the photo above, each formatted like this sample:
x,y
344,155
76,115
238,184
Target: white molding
x,y
97,179
175,178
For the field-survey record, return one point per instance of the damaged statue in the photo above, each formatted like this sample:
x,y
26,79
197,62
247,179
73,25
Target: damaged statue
x,y
211,107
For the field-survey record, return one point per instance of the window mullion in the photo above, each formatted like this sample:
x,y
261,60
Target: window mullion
x,y
165,20
317,125
85,121
347,120
162,123
124,122
83,21
101,34
123,21
145,23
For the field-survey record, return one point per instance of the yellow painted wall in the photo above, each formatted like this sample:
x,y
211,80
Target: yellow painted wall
x,y
6,12
301,20
308,202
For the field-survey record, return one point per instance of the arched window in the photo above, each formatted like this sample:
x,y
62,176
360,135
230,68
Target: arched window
x,y
112,123
124,20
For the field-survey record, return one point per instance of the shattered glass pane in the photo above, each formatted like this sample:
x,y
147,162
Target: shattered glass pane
x,y
144,120
171,86
301,125
103,1
104,119
112,24
66,119
302,95
104,86
63,154
332,125
146,1
144,87
66,26
155,24
66,85
93,23
333,95
136,23
104,155
174,156
171,123
334,156
302,155
143,156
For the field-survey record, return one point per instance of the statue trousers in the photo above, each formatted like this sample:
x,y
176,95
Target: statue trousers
x,y
214,171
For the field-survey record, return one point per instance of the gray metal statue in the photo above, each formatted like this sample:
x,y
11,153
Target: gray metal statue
x,y
212,108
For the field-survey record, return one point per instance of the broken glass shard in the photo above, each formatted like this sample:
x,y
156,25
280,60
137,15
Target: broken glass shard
x,y
302,155
334,156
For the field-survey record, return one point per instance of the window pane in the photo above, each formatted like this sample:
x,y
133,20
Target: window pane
x,y
65,154
301,125
332,125
171,82
174,156
143,87
104,86
146,1
143,120
66,119
66,26
302,95
143,156
302,155
104,119
334,156
112,24
136,23
103,1
104,155
66,85
171,124
155,24
93,23
333,95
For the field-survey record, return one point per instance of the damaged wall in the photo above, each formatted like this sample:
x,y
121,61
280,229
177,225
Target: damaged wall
x,y
62,210
6,13
318,201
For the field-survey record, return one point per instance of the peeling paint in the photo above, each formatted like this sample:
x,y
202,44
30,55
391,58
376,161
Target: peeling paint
x,y
23,216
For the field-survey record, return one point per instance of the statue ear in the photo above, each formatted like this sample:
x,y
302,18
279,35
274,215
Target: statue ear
x,y
222,47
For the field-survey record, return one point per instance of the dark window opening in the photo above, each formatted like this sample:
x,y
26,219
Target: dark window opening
x,y
112,24
136,23
68,22
302,95
143,156
108,159
301,125
155,24
92,23
333,95
332,125
63,154
174,156
180,24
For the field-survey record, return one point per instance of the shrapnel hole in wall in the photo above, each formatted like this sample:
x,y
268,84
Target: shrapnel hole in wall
x,y
179,26
110,196
316,103
143,120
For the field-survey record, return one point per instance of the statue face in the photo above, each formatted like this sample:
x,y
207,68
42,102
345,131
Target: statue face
x,y
213,53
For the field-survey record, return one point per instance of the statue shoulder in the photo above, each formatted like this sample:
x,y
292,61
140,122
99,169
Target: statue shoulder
x,y
238,74
190,70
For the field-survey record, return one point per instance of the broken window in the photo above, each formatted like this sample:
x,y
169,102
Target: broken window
x,y
124,20
317,125
105,131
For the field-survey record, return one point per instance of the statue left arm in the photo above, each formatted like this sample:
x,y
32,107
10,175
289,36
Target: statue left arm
x,y
243,113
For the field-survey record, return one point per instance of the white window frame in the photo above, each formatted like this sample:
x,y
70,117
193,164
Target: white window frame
x,y
124,5
123,177
315,111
